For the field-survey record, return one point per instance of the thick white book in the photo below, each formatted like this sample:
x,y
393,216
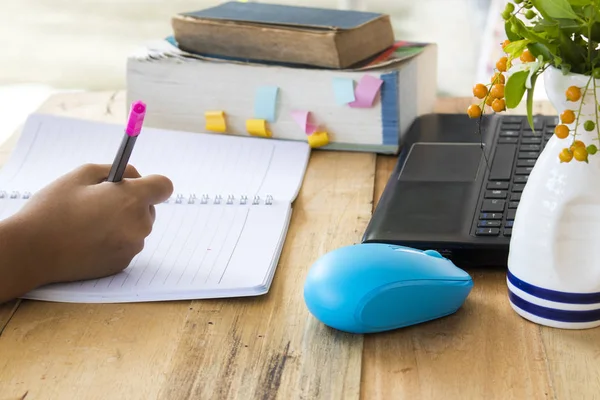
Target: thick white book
x,y
180,88
221,233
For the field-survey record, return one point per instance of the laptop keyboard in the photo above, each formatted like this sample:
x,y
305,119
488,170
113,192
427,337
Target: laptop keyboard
x,y
518,148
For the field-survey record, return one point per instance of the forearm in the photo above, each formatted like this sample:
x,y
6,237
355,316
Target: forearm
x,y
17,266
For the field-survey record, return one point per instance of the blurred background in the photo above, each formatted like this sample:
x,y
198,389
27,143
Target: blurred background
x,y
50,46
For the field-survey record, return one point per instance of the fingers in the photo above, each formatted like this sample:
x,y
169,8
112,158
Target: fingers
x,y
153,189
96,173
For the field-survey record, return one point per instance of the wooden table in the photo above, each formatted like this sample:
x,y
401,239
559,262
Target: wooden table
x,y
270,347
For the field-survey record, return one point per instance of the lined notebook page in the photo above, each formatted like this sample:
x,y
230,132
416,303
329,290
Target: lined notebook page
x,y
196,163
195,251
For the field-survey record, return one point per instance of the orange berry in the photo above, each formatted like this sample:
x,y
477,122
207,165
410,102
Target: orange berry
x,y
500,78
573,93
526,56
505,43
567,117
561,131
580,154
480,90
501,64
474,111
499,105
576,144
489,101
565,155
497,91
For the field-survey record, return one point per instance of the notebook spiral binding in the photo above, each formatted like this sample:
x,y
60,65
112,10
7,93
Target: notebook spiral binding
x,y
178,199
219,199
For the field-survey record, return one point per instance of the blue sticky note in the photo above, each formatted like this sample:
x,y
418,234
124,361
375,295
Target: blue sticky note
x,y
265,103
344,90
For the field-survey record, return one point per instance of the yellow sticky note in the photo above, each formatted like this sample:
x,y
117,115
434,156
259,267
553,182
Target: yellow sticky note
x,y
318,139
258,127
215,121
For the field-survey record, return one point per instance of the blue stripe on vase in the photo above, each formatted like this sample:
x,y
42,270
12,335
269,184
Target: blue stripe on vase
x,y
554,295
390,112
553,313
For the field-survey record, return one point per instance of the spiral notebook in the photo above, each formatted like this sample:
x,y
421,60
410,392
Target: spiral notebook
x,y
219,235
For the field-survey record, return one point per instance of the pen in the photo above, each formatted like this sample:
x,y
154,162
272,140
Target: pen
x,y
132,130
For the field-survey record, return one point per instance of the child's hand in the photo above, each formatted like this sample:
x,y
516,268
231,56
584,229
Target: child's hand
x,y
80,227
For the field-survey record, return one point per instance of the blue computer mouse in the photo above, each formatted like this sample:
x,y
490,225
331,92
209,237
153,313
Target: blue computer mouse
x,y
372,287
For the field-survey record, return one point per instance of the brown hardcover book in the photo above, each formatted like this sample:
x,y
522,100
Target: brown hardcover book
x,y
284,34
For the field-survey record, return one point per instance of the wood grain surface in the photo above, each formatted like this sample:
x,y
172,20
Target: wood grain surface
x,y
270,347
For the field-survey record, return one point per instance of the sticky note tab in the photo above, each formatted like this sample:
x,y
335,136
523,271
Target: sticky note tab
x,y
318,139
302,119
258,127
215,121
365,92
343,88
265,103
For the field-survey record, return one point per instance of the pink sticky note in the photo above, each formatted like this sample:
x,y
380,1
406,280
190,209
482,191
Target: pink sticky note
x,y
365,92
301,118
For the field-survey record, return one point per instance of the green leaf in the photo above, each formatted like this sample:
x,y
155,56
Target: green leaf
x,y
555,8
520,29
516,48
579,2
530,102
510,34
515,88
538,49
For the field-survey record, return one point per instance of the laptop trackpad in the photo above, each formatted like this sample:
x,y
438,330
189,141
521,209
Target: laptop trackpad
x,y
435,189
442,163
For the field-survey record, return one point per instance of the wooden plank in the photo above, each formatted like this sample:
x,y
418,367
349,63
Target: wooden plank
x,y
7,310
263,347
483,351
273,348
573,359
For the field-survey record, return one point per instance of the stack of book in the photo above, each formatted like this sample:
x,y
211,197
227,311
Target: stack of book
x,y
336,79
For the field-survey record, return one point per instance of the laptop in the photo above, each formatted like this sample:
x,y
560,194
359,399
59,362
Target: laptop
x,y
456,191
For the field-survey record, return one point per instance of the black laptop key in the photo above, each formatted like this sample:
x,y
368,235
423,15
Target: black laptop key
x,y
513,204
532,134
515,196
508,140
497,185
523,171
512,119
508,232
531,140
528,154
489,224
509,224
510,215
487,232
493,205
529,162
509,134
530,147
518,187
496,194
520,179
492,215
510,126
503,162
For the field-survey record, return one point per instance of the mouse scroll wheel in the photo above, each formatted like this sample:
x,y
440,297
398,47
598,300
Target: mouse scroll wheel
x,y
433,253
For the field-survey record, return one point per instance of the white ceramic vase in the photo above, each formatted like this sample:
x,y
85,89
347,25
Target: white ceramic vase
x,y
553,268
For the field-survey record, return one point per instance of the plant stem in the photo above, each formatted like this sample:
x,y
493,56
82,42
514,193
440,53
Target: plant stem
x,y
581,106
596,108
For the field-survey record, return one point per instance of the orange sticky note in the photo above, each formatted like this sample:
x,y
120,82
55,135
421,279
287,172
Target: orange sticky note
x,y
215,121
318,139
258,127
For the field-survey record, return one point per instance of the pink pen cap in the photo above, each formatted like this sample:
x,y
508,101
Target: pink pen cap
x,y
136,118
